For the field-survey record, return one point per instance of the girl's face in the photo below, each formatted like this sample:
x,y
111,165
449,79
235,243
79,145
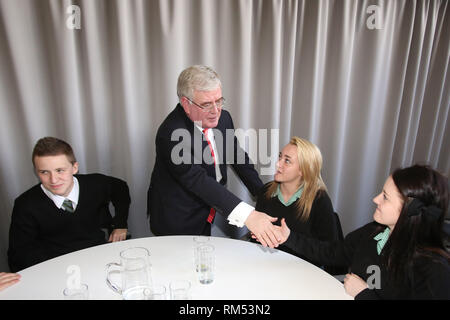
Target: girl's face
x,y
288,167
389,204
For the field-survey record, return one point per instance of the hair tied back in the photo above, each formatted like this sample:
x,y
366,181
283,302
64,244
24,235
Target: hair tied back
x,y
416,207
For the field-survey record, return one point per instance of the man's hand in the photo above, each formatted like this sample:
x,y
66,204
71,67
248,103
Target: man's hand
x,y
284,232
260,224
118,235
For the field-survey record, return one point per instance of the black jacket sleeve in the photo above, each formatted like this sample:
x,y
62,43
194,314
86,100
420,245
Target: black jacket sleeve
x,y
330,253
431,279
25,248
322,221
243,166
119,195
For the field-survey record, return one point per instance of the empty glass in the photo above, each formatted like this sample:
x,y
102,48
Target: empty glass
x,y
77,293
180,290
157,292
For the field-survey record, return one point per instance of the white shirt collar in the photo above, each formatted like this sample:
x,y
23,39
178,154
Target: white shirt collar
x,y
73,195
198,126
210,133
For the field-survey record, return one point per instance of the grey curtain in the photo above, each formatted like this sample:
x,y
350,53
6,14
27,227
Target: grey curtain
x,y
367,81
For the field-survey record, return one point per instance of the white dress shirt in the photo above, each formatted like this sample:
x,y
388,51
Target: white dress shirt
x,y
73,195
241,212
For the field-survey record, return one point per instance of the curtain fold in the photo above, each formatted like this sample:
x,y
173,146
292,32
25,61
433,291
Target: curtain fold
x,y
371,99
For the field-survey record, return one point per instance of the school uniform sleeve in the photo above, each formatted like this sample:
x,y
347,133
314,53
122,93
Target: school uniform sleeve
x,y
119,195
368,294
432,280
322,221
25,247
330,253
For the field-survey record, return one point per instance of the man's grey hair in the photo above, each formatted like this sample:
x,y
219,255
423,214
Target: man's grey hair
x,y
200,78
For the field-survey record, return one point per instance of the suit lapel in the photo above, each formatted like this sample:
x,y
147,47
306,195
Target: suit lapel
x,y
197,139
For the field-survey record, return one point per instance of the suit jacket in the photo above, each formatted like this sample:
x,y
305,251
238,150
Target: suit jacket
x,y
40,231
183,186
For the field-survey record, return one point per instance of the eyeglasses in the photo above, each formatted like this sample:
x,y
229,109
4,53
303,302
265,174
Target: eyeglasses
x,y
208,106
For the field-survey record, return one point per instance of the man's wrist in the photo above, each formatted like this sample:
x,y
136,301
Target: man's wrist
x,y
240,213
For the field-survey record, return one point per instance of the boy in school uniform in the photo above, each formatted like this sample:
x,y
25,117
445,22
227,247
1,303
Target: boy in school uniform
x,y
66,211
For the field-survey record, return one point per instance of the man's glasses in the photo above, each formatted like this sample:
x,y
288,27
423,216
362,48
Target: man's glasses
x,y
208,106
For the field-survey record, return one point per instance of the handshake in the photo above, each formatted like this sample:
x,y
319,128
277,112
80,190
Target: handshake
x,y
263,230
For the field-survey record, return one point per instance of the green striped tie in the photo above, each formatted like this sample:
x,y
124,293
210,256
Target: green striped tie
x,y
67,205
382,238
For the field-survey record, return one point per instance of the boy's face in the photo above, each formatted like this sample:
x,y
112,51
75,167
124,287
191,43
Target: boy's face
x,y
56,173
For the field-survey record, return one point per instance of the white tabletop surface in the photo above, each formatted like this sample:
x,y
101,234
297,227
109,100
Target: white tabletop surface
x,y
244,270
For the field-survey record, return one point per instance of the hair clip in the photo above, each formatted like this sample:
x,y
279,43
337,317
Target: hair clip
x,y
417,206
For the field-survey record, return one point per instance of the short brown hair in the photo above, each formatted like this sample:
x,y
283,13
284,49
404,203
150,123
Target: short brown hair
x,y
50,146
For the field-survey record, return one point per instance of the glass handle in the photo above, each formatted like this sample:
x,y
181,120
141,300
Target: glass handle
x,y
114,287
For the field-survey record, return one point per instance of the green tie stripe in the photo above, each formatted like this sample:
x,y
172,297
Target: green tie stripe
x,y
382,238
67,205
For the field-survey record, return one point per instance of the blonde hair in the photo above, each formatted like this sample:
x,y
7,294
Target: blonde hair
x,y
310,163
197,77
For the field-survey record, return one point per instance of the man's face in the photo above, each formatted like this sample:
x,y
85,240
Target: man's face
x,y
209,119
56,173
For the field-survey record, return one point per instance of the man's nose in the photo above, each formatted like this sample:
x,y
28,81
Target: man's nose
x,y
214,109
53,177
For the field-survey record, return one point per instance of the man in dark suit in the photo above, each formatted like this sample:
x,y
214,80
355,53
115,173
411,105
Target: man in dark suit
x,y
193,146
65,212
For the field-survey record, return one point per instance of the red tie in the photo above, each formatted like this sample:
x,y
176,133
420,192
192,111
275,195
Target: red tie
x,y
212,212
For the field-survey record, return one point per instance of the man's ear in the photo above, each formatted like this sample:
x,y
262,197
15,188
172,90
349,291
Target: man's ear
x,y
185,104
75,168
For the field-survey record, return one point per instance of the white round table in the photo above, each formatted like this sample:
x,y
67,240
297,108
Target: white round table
x,y
244,271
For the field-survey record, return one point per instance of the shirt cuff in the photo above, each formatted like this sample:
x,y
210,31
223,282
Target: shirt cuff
x,y
239,215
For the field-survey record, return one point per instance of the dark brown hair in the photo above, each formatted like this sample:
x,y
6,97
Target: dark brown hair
x,y
419,233
50,146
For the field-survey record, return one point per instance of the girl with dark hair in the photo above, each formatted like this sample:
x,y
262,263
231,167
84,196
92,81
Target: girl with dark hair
x,y
401,254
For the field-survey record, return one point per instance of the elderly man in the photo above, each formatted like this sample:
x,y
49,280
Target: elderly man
x,y
193,146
